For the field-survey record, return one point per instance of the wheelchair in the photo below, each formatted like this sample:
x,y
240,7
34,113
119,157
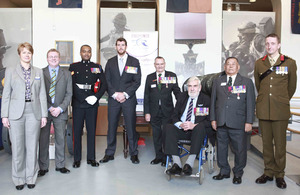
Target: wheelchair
x,y
206,154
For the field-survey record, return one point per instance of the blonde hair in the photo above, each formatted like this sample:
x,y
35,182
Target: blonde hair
x,y
25,45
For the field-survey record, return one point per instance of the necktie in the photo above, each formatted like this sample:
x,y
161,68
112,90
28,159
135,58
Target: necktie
x,y
272,61
52,86
159,82
230,81
121,66
190,110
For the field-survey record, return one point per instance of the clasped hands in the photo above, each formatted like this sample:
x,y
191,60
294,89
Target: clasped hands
x,y
187,125
120,97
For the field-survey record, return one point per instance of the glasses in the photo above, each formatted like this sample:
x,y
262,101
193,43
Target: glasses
x,y
53,57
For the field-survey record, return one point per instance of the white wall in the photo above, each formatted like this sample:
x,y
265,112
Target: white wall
x,y
290,43
50,24
210,52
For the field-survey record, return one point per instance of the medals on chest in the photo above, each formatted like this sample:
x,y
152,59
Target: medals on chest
x,y
95,70
201,111
281,70
168,80
237,90
131,69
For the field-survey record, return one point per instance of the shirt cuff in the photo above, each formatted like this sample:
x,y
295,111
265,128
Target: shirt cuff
x,y
178,124
61,110
49,108
114,96
126,95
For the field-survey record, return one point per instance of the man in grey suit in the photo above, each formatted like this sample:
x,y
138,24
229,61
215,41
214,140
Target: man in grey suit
x,y
232,115
58,83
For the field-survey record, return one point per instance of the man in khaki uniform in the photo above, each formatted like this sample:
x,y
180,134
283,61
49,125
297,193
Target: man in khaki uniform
x,y
275,87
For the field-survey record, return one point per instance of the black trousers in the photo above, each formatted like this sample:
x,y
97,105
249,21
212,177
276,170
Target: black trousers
x,y
158,123
90,117
237,137
173,134
129,111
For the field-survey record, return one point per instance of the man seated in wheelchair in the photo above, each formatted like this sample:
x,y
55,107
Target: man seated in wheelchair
x,y
190,121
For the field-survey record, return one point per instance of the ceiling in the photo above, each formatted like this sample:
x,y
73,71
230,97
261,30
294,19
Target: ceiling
x,y
259,5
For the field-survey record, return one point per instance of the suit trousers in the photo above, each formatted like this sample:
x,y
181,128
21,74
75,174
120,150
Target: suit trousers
x,y
158,122
237,137
274,158
114,112
89,115
24,136
60,133
173,134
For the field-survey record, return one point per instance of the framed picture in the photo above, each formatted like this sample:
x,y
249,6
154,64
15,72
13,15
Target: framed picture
x,y
66,49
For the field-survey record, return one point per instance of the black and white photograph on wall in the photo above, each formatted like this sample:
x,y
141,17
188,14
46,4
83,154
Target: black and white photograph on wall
x,y
115,21
15,29
244,37
189,30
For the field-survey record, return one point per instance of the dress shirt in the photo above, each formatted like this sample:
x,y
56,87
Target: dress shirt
x,y
183,117
274,59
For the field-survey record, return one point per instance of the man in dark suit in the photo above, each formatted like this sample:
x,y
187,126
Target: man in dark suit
x,y
89,84
158,103
123,74
275,89
190,120
58,83
232,115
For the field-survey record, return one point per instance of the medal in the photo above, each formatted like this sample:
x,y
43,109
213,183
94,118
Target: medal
x,y
238,96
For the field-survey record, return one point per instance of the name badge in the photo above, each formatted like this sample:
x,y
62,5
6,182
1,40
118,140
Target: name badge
x,y
223,84
282,70
95,70
201,111
153,85
168,80
237,89
37,78
131,69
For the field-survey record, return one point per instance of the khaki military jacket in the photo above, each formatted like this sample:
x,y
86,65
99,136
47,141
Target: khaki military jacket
x,y
276,89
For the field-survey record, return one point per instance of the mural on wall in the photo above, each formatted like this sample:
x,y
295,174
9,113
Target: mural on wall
x,y
244,37
15,28
190,29
115,21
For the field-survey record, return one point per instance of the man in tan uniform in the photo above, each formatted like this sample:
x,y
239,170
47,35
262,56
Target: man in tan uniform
x,y
275,80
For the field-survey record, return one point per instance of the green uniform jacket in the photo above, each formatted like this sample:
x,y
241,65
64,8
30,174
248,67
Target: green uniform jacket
x,y
275,90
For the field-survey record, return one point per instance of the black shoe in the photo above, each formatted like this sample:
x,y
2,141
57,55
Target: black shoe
x,y
63,170
280,183
76,164
163,163
134,159
106,158
175,169
156,161
30,186
187,169
263,179
93,163
237,180
220,176
20,187
42,172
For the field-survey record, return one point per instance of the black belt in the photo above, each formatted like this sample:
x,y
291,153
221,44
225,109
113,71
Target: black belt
x,y
27,100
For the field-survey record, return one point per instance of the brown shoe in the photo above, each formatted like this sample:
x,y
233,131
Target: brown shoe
x,y
263,179
280,183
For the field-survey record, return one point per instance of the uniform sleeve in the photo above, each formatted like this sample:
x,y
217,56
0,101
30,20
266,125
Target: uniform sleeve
x,y
78,94
292,79
256,76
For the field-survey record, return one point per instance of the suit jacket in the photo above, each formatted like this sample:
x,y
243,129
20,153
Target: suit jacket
x,y
232,109
13,97
202,101
275,90
63,90
128,82
83,72
152,95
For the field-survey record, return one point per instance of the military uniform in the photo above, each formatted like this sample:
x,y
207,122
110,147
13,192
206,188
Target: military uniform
x,y
84,75
273,109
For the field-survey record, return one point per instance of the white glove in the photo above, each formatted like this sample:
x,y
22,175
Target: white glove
x,y
91,99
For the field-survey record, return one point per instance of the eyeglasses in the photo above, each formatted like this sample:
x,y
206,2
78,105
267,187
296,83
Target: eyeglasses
x,y
53,57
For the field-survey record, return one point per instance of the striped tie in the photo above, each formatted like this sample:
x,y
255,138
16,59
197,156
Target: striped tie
x,y
190,110
52,86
